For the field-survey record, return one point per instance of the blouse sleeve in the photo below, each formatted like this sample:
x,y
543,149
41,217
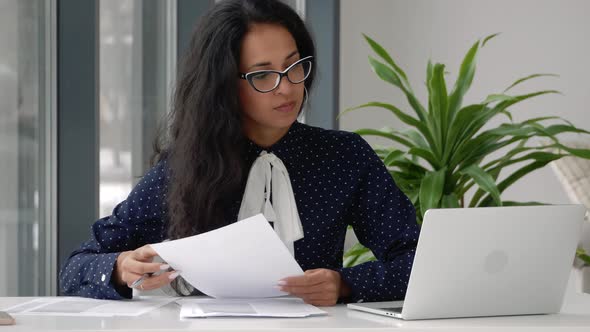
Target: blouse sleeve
x,y
136,221
384,220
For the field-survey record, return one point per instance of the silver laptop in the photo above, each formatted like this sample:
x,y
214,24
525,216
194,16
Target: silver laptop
x,y
489,262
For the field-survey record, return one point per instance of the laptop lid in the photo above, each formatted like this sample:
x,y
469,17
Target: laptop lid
x,y
493,261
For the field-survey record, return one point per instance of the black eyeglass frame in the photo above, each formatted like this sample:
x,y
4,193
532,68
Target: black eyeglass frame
x,y
248,76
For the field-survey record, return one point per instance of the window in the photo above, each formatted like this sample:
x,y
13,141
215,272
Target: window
x,y
26,149
137,61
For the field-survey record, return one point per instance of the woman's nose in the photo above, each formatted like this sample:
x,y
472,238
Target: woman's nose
x,y
285,86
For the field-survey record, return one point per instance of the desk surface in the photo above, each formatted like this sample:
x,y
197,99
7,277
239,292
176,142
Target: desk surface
x,y
574,316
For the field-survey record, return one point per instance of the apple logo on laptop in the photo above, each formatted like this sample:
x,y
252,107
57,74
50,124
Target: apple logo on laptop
x,y
495,262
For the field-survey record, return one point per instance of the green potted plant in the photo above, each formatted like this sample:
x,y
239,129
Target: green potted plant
x,y
445,150
583,270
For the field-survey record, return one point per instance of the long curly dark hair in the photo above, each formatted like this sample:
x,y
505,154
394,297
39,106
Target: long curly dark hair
x,y
206,144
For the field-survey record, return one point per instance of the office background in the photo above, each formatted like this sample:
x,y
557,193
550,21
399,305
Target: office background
x,y
84,84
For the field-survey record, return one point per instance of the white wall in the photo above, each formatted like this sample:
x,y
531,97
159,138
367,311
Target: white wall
x,y
537,36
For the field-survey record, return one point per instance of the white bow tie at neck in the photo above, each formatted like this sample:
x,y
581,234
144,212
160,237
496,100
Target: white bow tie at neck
x,y
283,208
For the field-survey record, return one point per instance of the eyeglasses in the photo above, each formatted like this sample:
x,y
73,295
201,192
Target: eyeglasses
x,y
267,80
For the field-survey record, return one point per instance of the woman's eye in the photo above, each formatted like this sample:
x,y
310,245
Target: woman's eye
x,y
261,76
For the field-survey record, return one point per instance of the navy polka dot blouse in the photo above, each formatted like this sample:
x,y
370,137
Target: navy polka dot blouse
x,y
337,180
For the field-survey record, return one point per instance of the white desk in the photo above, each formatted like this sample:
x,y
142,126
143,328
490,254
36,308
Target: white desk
x,y
575,316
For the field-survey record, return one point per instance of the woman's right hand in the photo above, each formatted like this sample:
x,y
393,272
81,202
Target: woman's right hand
x,y
132,265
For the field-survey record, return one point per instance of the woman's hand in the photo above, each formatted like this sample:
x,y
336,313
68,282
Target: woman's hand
x,y
321,287
132,265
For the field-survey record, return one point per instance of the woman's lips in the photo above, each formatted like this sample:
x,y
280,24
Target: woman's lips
x,y
288,107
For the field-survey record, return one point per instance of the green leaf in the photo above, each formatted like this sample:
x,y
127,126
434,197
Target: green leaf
x,y
475,119
561,128
356,255
413,196
508,114
382,152
494,173
508,129
424,154
412,167
515,176
404,117
407,185
488,38
477,149
540,156
385,73
507,103
365,257
385,56
384,134
496,98
539,119
418,108
388,75
431,190
450,201
429,71
512,203
416,138
395,79
463,82
393,156
485,181
407,119
582,153
524,79
438,102
581,253
465,118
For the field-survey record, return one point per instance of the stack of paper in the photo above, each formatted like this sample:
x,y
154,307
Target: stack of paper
x,y
281,307
78,306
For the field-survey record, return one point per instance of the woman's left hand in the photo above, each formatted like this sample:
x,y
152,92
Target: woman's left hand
x,y
321,287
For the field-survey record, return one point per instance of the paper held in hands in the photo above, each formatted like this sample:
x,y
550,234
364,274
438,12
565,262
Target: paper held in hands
x,y
243,260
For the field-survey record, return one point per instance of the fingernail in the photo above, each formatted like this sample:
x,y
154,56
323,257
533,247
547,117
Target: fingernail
x,y
173,275
164,267
281,283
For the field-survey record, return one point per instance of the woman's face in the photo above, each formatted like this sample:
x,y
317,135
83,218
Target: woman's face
x,y
269,47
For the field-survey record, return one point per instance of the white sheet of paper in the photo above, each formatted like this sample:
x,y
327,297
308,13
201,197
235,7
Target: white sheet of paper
x,y
243,260
281,307
79,306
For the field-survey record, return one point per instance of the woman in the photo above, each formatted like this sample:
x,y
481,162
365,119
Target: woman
x,y
244,82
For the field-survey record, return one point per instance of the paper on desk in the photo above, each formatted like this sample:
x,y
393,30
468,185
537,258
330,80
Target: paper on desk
x,y
79,306
281,307
243,260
